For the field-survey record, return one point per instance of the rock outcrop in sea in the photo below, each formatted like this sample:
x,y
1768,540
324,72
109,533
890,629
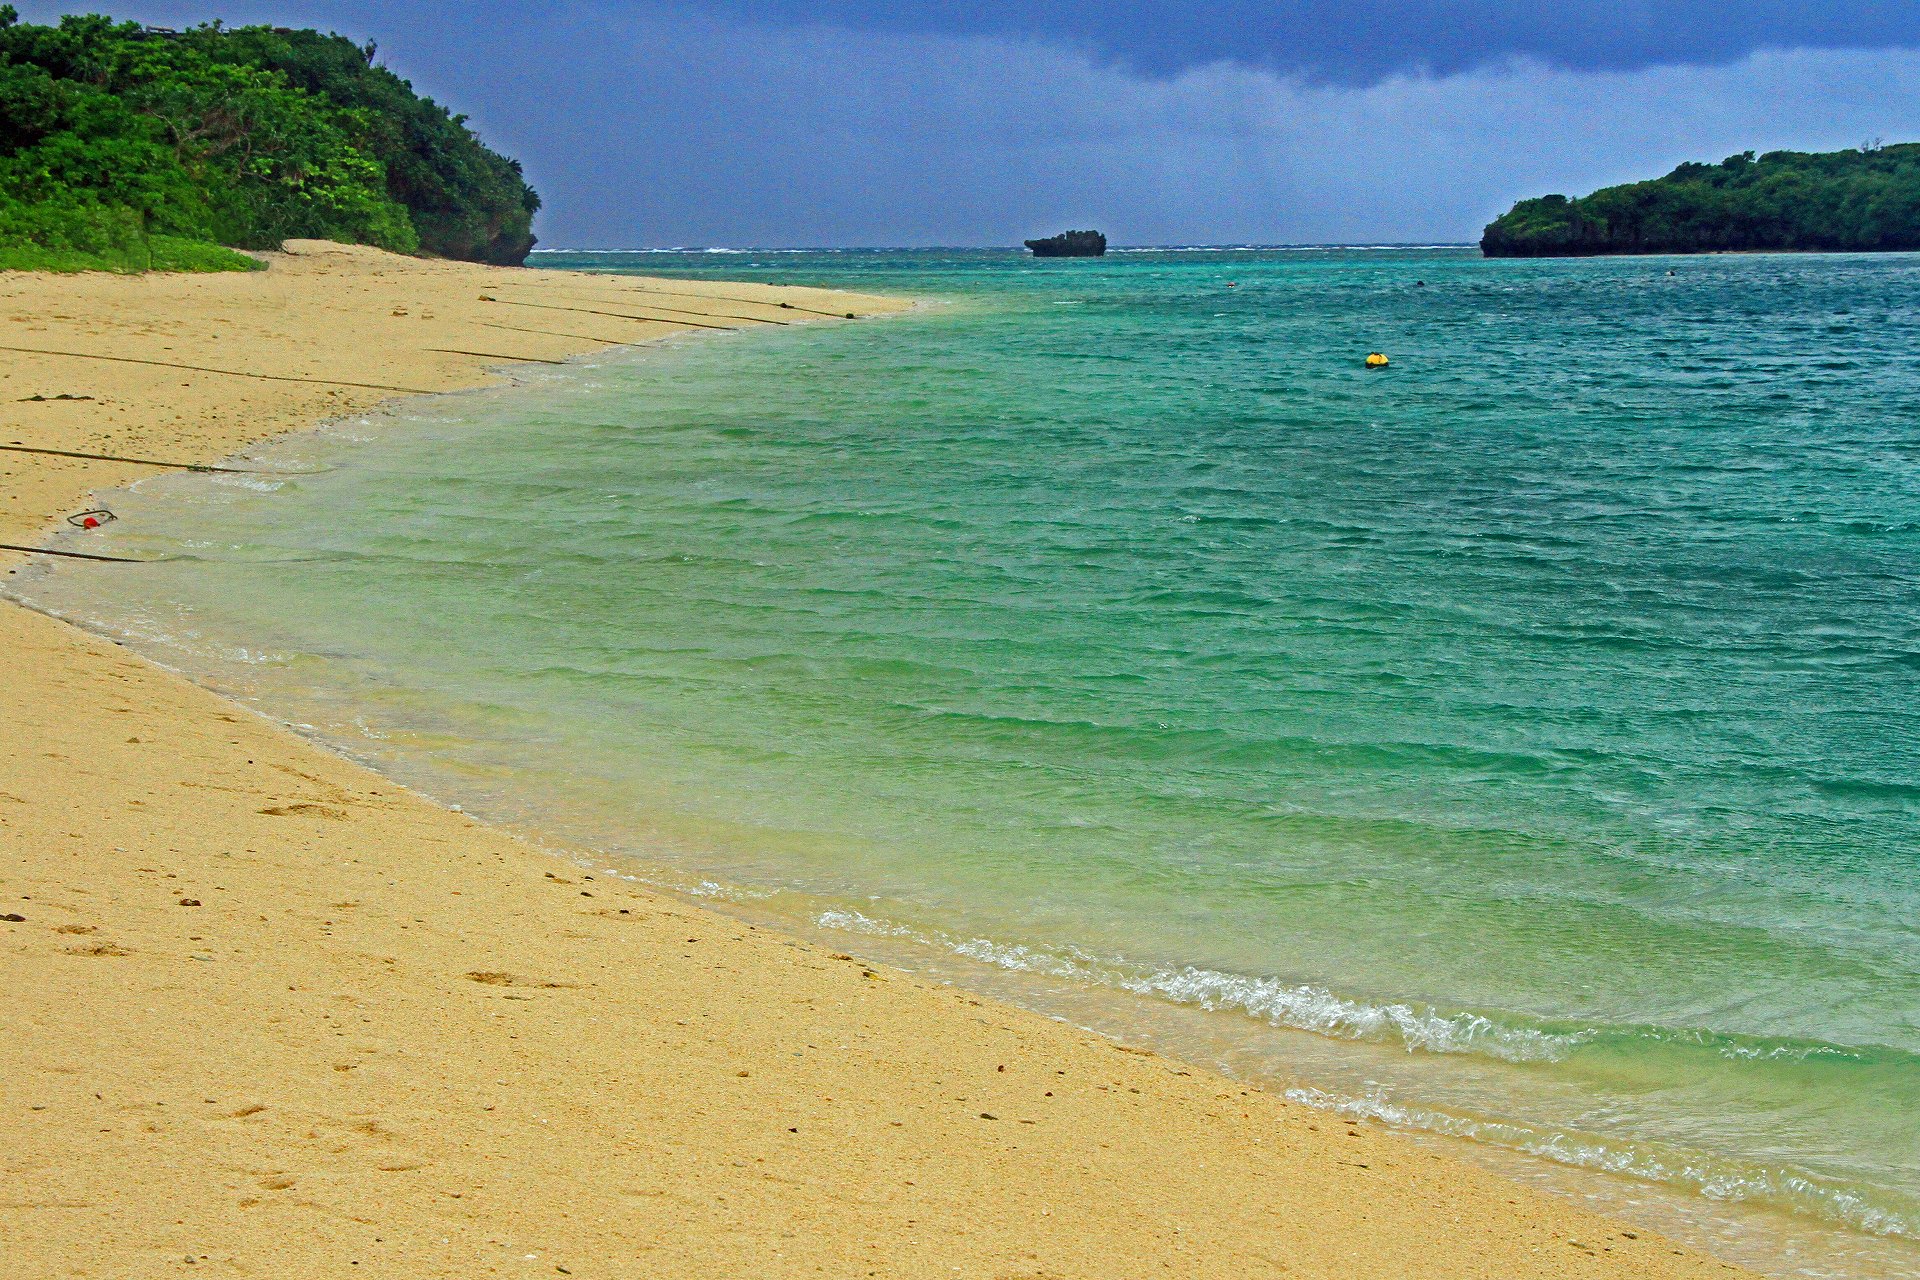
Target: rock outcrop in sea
x,y
1070,244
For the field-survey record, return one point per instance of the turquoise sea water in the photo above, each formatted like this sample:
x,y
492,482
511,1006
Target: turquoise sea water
x,y
1522,743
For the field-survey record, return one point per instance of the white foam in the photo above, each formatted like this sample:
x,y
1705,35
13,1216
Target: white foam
x,y
1717,1180
722,892
1297,1006
1309,1008
249,482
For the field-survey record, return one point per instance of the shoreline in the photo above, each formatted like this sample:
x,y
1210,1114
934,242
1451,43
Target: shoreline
x,y
455,1053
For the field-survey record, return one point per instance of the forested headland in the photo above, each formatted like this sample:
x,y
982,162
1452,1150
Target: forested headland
x,y
1837,201
126,147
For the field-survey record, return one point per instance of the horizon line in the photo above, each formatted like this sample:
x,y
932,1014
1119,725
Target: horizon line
x,y
1237,247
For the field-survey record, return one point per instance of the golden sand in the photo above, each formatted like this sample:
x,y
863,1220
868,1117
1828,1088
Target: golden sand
x,y
269,1014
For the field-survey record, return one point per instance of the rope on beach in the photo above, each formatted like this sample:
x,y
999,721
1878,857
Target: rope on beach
x,y
491,355
156,462
80,555
231,373
751,302
705,315
618,315
555,333
709,314
722,297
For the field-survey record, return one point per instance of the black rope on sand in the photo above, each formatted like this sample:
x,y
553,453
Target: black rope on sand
x,y
751,302
231,373
80,555
618,315
715,315
555,333
156,462
705,315
491,355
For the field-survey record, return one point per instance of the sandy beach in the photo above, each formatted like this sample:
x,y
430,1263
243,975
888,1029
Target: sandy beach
x,y
269,1013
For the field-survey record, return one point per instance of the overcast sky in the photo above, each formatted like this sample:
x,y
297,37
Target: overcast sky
x,y
840,122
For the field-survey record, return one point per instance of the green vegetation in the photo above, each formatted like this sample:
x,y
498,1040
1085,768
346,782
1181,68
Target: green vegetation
x,y
125,149
1862,200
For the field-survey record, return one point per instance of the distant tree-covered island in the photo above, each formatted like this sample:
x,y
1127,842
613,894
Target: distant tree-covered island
x,y
1862,200
127,147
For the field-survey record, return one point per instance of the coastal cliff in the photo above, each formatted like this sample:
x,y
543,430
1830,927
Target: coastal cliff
x,y
1861,200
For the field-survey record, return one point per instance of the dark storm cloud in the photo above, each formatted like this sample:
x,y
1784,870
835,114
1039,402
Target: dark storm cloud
x,y
647,126
1359,40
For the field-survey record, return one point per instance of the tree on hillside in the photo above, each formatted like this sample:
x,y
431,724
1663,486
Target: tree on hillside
x,y
1865,199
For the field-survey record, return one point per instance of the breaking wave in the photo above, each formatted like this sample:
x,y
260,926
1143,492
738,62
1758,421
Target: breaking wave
x,y
1297,1006
1780,1187
1422,1028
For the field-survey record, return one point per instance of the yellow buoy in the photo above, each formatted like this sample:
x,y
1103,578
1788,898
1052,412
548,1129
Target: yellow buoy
x,y
1376,361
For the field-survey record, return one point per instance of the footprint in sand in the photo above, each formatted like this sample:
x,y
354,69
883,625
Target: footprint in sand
x,y
493,978
99,949
304,810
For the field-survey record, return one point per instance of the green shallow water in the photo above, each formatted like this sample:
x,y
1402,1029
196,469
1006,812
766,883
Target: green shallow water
x,y
1519,744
